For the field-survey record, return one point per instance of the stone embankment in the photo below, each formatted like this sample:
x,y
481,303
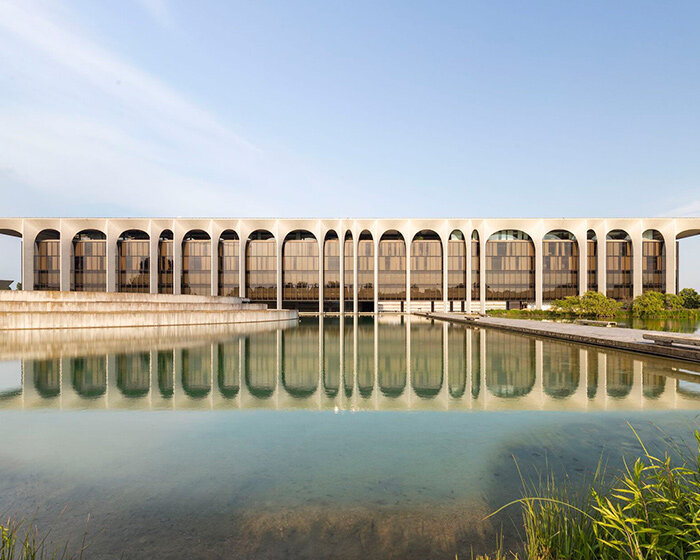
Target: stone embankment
x,y
617,338
69,310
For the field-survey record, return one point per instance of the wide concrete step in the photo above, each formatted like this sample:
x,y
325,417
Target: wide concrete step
x,y
120,306
26,295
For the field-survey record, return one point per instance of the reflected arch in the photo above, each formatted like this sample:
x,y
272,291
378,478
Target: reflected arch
x,y
560,265
89,261
133,262
619,263
228,255
510,267
426,266
196,371
47,377
47,260
392,266
261,267
427,359
133,374
196,263
300,262
560,369
510,364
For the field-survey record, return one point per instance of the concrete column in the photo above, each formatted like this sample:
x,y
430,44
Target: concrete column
x,y
320,273
637,245
582,263
602,248
670,248
153,261
341,252
280,243
355,260
66,249
468,268
445,271
111,259
376,274
214,266
177,260
27,269
538,271
482,271
242,245
409,245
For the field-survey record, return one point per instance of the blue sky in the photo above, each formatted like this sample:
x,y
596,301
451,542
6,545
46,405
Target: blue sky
x,y
157,107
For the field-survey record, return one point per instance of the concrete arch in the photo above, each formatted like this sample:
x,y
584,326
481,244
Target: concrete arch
x,y
47,260
300,268
510,266
228,263
592,259
653,261
332,279
426,266
89,261
619,271
133,261
366,272
261,266
165,268
457,263
391,253
476,267
560,264
196,263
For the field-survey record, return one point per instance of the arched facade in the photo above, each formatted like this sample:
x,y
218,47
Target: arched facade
x,y
89,261
560,258
456,267
165,262
229,263
300,262
653,261
261,267
510,267
196,263
392,266
619,265
426,266
47,260
133,262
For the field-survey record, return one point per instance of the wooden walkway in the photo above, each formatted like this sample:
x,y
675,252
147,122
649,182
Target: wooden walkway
x,y
617,338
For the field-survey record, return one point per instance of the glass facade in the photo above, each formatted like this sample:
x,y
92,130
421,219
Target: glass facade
x,y
165,263
261,267
300,267
196,264
559,265
510,267
619,265
47,261
365,268
331,268
349,271
476,267
426,266
653,262
392,267
456,267
89,263
229,264
133,248
592,259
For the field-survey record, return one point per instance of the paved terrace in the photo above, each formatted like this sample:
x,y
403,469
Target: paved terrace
x,y
609,337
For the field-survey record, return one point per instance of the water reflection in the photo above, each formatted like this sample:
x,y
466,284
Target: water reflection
x,y
358,363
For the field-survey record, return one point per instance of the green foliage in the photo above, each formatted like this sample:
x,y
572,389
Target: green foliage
x,y
21,541
690,299
656,304
651,511
590,304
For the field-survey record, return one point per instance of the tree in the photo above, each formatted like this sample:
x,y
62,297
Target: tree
x,y
655,304
690,299
591,304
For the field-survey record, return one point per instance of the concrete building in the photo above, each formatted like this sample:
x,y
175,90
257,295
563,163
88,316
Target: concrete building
x,y
380,265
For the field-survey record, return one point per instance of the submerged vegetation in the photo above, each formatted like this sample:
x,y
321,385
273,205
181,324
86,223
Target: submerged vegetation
x,y
651,511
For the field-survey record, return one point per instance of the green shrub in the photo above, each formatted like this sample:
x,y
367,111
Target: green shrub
x,y
690,299
591,304
656,304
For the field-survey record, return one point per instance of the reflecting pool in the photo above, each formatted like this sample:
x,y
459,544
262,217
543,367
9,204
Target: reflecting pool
x,y
343,437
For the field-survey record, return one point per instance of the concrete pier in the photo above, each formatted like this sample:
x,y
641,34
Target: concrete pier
x,y
617,338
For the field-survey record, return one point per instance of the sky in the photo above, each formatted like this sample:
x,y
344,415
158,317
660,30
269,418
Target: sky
x,y
349,109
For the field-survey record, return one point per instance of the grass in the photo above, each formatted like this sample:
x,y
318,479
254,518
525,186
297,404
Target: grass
x,y
651,511
20,540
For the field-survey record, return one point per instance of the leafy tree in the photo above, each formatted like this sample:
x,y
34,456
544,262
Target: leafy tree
x,y
655,304
690,299
591,304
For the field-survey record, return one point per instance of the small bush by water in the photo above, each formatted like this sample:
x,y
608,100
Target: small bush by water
x,y
651,511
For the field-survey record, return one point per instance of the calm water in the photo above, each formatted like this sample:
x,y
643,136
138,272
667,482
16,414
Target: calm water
x,y
344,438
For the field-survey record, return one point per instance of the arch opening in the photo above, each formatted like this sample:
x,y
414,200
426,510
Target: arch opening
x,y
261,267
229,264
592,261
392,266
331,272
196,263
510,267
47,260
300,262
426,266
133,258
365,272
89,262
619,265
560,265
165,262
653,261
456,267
